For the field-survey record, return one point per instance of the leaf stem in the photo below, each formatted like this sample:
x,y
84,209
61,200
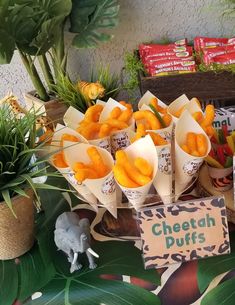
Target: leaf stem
x,y
46,69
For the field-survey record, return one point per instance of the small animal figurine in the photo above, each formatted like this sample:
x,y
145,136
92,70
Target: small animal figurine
x,y
72,236
91,91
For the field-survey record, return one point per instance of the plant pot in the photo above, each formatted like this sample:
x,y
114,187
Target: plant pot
x,y
54,109
16,234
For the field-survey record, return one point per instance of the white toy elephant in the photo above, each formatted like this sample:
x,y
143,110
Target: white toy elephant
x,y
72,236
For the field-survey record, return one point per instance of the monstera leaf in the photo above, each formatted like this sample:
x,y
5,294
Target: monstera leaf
x,y
209,268
89,18
32,26
86,287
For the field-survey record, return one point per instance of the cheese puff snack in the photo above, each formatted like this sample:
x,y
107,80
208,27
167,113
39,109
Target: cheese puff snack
x,y
94,170
148,117
129,106
154,103
196,144
126,173
93,113
141,132
59,159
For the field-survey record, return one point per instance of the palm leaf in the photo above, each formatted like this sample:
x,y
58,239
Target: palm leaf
x,y
89,18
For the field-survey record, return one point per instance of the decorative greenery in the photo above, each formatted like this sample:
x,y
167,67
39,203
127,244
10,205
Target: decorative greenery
x,y
132,66
45,269
18,165
110,81
36,28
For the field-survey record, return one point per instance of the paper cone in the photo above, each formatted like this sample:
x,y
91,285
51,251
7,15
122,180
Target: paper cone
x,y
104,189
144,148
104,143
163,179
67,173
186,166
176,105
193,106
73,117
146,98
100,102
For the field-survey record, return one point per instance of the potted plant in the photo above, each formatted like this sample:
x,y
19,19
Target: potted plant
x,y
19,173
36,28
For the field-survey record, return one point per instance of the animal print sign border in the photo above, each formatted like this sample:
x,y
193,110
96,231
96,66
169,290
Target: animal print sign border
x,y
183,231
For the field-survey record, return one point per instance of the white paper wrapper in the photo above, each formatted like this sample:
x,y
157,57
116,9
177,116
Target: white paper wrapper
x,y
146,98
176,105
73,117
186,166
144,148
193,106
100,102
163,179
67,173
119,139
104,143
104,189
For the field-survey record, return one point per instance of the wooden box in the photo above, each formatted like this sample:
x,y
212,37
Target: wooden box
x,y
208,87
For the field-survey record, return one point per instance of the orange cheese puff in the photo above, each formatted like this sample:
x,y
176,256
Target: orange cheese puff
x,y
91,131
201,144
195,153
125,116
167,118
197,101
157,139
116,123
209,116
58,160
129,106
210,131
93,113
140,132
145,123
154,102
191,141
97,161
185,148
104,131
179,112
131,170
114,129
149,117
198,116
143,166
122,177
79,165
115,113
85,173
69,137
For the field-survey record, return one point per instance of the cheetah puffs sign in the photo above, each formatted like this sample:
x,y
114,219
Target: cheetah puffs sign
x,y
184,231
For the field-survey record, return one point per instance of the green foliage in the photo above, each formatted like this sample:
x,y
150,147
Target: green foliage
x,y
36,28
110,81
18,164
89,17
69,94
133,66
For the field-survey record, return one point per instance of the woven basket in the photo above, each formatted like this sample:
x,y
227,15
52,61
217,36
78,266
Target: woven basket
x,y
16,234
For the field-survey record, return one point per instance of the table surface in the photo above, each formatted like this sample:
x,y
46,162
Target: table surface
x,y
120,277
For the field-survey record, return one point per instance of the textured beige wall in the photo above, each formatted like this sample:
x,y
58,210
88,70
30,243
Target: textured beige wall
x,y
140,20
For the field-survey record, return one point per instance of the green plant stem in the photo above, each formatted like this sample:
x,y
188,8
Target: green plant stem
x,y
46,69
31,69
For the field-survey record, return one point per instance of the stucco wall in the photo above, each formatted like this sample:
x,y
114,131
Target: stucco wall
x,y
140,20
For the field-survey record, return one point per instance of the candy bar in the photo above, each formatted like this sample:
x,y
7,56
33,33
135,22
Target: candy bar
x,y
204,42
154,71
209,53
169,63
226,59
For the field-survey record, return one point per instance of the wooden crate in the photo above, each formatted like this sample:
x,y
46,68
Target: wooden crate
x,y
208,87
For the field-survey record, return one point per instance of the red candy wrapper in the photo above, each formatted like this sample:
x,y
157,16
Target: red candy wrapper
x,y
226,59
209,53
205,42
171,63
154,71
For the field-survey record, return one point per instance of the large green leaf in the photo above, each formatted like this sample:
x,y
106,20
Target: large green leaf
x,y
8,282
209,268
85,287
89,18
224,294
7,47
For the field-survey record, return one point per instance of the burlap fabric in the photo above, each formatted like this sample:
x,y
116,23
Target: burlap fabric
x,y
16,234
